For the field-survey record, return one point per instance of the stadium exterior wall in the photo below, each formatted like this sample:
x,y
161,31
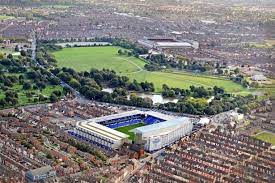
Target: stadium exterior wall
x,y
157,136
101,135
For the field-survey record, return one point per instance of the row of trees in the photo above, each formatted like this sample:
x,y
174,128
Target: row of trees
x,y
90,85
216,106
195,92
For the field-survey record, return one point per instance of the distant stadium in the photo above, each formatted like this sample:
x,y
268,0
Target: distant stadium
x,y
164,43
152,129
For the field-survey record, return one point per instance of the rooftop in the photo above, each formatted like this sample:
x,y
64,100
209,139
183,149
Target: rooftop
x,y
42,170
162,125
103,131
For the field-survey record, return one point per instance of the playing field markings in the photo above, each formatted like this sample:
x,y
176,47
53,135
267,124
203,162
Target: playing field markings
x,y
131,62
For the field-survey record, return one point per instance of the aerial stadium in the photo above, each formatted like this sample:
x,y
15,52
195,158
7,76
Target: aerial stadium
x,y
164,43
152,129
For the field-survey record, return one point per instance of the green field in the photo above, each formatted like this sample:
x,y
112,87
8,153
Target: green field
x,y
267,137
85,58
185,80
127,129
4,17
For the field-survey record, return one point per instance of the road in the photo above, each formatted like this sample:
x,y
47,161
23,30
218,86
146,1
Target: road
x,y
34,45
151,157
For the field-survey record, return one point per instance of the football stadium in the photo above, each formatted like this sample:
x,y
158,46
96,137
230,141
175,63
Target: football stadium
x,y
152,129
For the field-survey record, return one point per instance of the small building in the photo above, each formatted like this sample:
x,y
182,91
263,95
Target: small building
x,y
259,77
40,174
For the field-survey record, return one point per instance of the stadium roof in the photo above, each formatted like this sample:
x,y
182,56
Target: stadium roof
x,y
103,131
129,113
173,44
162,125
115,116
159,115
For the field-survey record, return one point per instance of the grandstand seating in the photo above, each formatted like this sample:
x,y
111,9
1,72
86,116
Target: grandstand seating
x,y
124,123
151,120
121,122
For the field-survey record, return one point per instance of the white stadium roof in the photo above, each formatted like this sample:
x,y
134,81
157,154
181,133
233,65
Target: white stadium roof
x,y
115,116
129,113
173,44
159,115
162,125
103,131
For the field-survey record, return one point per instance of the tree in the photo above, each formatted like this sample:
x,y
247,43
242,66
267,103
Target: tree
x,y
27,86
237,71
53,98
220,71
1,55
23,53
10,56
17,48
74,83
120,52
41,85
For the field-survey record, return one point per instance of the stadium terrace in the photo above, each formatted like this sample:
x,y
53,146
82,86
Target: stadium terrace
x,y
103,131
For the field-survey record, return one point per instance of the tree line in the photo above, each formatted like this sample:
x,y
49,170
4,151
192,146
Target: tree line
x,y
195,100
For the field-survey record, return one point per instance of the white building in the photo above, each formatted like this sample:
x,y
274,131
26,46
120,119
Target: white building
x,y
163,43
259,77
159,135
100,135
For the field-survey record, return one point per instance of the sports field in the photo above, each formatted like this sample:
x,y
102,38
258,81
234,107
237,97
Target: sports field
x,y
85,58
4,17
185,80
267,137
127,129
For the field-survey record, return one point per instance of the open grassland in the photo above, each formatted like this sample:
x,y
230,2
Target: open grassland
x,y
267,137
127,129
85,58
6,51
185,80
4,17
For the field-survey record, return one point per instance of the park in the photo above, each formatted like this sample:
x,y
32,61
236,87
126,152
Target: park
x,y
99,57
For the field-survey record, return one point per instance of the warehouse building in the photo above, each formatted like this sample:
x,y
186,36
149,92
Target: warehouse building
x,y
159,135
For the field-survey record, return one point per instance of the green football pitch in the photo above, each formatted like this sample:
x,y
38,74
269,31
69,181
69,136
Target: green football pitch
x,y
85,58
127,129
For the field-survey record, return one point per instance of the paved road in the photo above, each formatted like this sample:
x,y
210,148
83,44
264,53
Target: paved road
x,y
34,59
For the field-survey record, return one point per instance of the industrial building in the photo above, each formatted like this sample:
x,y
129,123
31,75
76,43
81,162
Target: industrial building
x,y
159,135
